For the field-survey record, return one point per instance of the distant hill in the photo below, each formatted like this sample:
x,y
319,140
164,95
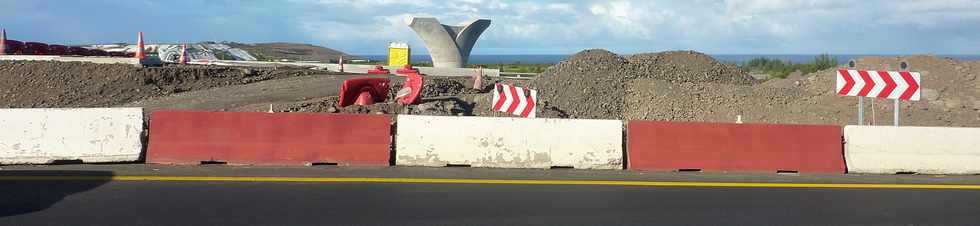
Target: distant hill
x,y
290,51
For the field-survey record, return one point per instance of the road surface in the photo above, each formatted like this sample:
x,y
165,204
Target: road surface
x,y
242,195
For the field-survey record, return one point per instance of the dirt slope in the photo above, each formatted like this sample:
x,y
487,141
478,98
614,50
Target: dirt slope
x,y
76,84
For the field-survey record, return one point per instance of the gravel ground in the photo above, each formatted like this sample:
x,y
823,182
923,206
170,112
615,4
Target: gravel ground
x,y
597,84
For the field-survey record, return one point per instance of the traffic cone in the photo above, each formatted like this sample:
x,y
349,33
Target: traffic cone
x,y
341,62
140,52
183,54
3,41
364,98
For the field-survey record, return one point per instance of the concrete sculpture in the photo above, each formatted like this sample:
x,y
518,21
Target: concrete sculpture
x,y
449,46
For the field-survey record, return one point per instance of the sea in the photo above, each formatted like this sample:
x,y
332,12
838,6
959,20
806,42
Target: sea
x,y
725,58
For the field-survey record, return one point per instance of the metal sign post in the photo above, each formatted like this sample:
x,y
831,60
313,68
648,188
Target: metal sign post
x,y
903,66
851,64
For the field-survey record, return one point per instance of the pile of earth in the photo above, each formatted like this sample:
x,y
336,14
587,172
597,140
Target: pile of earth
x,y
691,86
594,83
950,97
76,84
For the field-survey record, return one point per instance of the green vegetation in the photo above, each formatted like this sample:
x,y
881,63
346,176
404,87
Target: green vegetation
x,y
779,69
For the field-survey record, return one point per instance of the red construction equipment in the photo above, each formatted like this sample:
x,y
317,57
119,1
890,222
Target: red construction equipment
x,y
140,52
57,50
409,94
35,48
378,69
363,91
408,69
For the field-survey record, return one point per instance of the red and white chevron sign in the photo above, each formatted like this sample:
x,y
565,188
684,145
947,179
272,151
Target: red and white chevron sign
x,y
514,100
901,85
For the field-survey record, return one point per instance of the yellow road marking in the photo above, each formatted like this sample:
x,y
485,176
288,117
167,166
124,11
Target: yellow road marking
x,y
485,181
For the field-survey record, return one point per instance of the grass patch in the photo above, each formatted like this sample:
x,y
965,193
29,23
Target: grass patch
x,y
779,69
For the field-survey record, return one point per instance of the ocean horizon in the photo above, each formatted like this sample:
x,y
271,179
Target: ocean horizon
x,y
739,59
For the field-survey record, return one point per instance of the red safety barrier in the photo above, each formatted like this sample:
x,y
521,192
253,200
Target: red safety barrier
x,y
14,47
57,50
117,54
190,137
97,52
378,70
408,69
77,51
654,145
35,48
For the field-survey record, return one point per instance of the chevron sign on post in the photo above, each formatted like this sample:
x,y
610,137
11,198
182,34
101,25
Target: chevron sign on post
x,y
515,100
902,85
895,85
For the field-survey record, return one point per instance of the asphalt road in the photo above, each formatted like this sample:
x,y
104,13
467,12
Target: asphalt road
x,y
102,195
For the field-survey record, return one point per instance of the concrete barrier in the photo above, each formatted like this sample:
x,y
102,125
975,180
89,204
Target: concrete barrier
x,y
654,145
508,142
40,136
356,68
189,137
925,150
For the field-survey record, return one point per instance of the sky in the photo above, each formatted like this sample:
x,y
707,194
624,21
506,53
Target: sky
x,y
521,27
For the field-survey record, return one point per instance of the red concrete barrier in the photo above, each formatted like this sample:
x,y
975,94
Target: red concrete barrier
x,y
188,137
672,146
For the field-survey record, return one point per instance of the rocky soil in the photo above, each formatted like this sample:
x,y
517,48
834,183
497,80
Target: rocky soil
x,y
690,86
446,96
596,84
76,84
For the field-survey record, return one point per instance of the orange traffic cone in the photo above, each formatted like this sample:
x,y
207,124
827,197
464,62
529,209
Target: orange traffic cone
x,y
341,62
183,54
140,52
3,41
365,97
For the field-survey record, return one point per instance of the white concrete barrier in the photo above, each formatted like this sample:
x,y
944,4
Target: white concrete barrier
x,y
925,150
508,142
39,136
356,68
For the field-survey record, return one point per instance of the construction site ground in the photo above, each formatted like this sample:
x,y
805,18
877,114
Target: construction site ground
x,y
596,84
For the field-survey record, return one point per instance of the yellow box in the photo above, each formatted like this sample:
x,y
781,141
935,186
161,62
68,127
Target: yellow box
x,y
398,54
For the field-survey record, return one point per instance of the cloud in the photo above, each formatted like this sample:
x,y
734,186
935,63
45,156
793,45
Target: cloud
x,y
525,27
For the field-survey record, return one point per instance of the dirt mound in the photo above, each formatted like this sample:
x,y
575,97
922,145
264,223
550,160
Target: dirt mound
x,y
594,83
76,84
683,66
951,97
435,87
950,93
586,85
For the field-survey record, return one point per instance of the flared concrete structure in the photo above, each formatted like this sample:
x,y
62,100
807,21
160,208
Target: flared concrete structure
x,y
449,46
